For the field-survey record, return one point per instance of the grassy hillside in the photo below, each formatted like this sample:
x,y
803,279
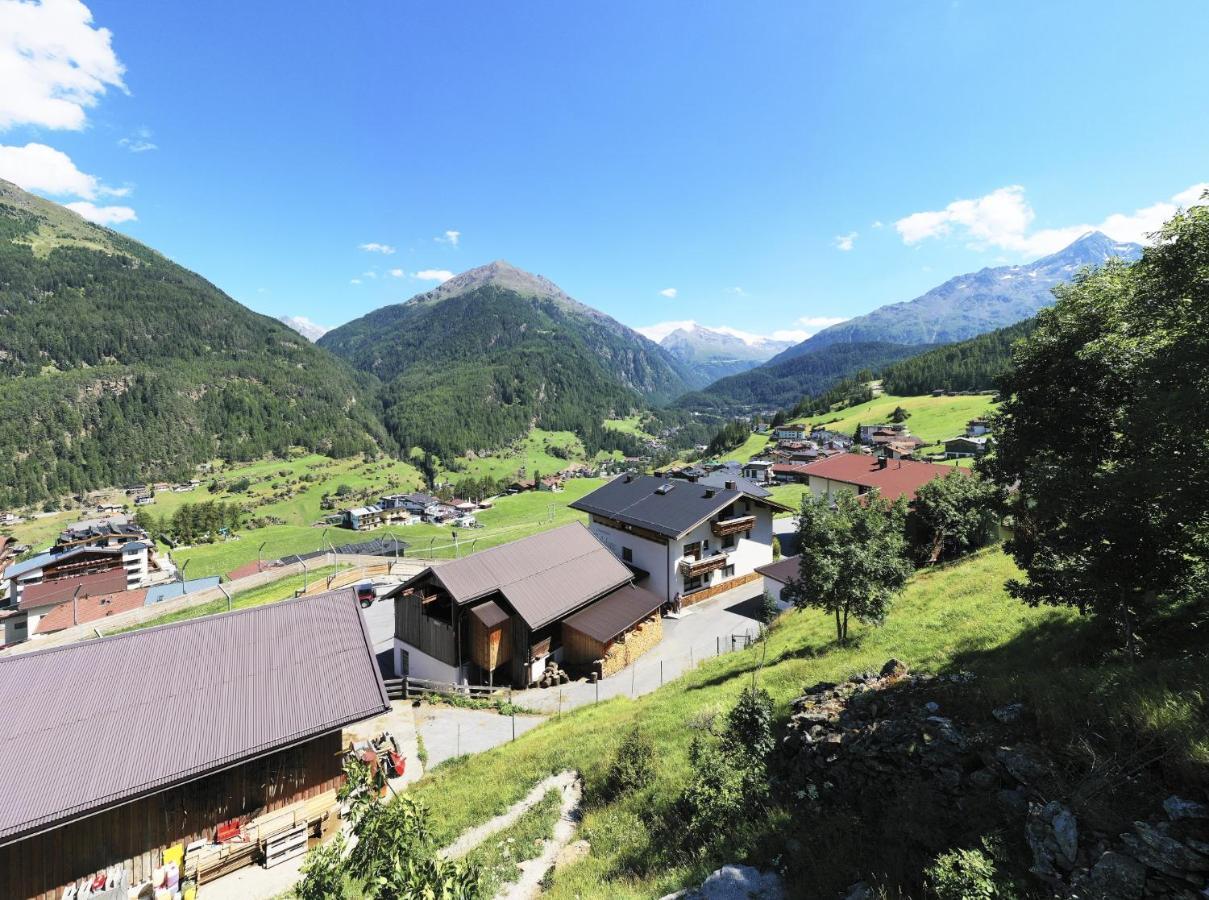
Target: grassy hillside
x,y
957,618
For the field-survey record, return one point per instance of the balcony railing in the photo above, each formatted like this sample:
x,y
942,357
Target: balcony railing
x,y
690,567
724,527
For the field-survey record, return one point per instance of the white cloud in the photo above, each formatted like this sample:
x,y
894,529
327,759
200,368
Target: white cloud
x,y
370,274
354,281
818,323
140,142
397,273
375,247
845,241
670,293
1002,219
102,215
441,275
450,237
37,167
737,291
877,223
53,63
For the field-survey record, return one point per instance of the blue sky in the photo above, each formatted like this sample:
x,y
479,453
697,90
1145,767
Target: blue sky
x,y
763,166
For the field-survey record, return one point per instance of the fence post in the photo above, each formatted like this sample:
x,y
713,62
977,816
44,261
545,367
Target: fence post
x,y
717,645
633,675
560,703
661,673
597,690
691,663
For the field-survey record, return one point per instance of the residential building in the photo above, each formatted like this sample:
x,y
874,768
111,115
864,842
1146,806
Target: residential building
x,y
778,574
791,473
689,540
794,432
977,427
362,518
501,614
964,447
827,439
758,470
172,752
857,473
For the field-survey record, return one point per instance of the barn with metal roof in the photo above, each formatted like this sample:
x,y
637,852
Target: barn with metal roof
x,y
119,748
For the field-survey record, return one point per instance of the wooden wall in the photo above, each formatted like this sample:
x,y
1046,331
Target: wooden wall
x,y
135,834
490,647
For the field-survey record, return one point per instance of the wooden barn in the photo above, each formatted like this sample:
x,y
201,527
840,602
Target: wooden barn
x,y
499,615
122,751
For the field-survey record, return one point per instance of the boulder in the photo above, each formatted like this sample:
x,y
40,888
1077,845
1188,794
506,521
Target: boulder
x,y
734,882
894,668
1053,837
1178,808
1116,876
1009,714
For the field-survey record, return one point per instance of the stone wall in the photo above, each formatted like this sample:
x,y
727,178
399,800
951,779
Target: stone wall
x,y
637,641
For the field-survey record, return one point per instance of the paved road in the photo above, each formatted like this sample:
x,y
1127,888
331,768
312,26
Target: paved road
x,y
719,625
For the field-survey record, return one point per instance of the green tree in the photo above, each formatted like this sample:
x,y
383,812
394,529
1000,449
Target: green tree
x,y
952,516
899,415
852,558
1102,436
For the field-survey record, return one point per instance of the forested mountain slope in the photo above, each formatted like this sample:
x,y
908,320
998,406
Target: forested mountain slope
x,y
117,365
775,385
480,360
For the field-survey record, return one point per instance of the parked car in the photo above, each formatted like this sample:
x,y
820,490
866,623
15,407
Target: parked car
x,y
366,594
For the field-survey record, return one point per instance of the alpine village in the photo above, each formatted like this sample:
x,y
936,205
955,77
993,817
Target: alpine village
x,y
483,593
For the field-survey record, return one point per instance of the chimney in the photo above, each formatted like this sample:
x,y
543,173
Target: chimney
x,y
730,485
882,462
709,492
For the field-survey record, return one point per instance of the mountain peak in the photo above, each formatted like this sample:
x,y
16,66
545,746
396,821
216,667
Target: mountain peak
x,y
1092,248
499,273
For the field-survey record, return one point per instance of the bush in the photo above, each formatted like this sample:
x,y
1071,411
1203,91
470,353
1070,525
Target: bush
x,y
631,769
962,875
729,783
768,608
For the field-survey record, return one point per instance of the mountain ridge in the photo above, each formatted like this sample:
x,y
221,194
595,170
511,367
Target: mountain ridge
x,y
974,303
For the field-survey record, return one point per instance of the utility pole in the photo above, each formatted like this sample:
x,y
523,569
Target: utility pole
x,y
305,572
259,554
75,609
184,584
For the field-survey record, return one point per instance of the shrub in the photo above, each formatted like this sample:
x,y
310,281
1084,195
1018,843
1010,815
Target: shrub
x,y
631,769
962,875
749,725
768,608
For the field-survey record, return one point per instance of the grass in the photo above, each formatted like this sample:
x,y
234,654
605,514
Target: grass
x,y
630,425
534,453
499,856
512,517
282,589
932,418
954,618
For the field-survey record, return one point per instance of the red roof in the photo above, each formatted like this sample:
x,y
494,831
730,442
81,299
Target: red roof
x,y
96,583
90,609
900,477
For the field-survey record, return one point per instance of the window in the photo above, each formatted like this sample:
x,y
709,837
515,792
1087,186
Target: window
x,y
693,549
728,542
728,571
627,554
692,584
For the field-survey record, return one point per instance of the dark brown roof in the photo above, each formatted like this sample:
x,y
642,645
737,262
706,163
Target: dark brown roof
x,y
783,570
543,577
489,614
151,709
611,615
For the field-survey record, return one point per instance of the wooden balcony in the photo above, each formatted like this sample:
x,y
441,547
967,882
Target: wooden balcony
x,y
690,567
724,527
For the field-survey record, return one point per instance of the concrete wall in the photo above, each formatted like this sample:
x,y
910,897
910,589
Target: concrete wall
x,y
648,555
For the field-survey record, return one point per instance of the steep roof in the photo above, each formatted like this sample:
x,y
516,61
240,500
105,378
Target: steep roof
x,y
543,576
672,507
900,477
220,690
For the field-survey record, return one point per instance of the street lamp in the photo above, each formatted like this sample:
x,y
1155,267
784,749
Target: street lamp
x,y
259,552
181,576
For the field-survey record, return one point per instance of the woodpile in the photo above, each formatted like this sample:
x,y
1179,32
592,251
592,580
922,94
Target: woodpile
x,y
553,676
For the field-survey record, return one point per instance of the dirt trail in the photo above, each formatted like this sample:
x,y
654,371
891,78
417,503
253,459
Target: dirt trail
x,y
528,885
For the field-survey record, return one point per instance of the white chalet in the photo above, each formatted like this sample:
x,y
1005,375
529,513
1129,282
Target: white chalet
x,y
690,540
